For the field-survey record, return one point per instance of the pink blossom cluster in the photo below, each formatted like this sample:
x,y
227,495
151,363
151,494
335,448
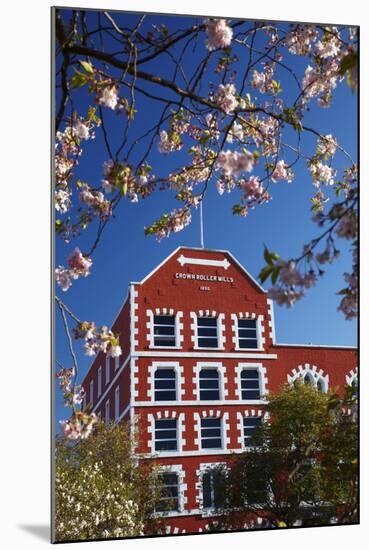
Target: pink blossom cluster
x,y
73,395
80,426
169,142
285,296
347,226
120,176
174,222
265,135
95,200
219,34
226,98
263,81
254,192
107,96
329,45
62,200
236,132
322,173
300,40
79,266
232,163
326,146
282,172
320,81
95,340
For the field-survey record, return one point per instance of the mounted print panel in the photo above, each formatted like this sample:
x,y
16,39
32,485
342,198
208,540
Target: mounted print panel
x,y
206,275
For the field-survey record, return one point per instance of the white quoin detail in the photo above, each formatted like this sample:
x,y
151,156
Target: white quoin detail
x,y
202,261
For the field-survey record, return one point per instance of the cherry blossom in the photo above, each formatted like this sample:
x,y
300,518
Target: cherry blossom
x,y
300,40
219,34
327,145
95,200
226,98
322,173
232,163
282,172
108,96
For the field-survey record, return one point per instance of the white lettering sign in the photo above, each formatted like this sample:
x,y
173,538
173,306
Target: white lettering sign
x,y
200,277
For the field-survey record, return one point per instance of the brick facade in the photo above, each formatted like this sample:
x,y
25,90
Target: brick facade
x,y
193,284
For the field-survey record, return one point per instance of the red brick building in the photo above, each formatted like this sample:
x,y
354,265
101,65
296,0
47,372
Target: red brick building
x,y
199,359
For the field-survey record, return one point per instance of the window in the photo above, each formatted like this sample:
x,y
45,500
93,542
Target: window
x,y
250,424
166,435
211,433
354,386
92,392
247,333
318,383
207,332
209,384
250,384
107,370
116,403
169,497
84,400
164,331
212,487
107,411
256,485
99,381
165,385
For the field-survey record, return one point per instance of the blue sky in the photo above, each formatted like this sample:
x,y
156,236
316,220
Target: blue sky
x,y
283,224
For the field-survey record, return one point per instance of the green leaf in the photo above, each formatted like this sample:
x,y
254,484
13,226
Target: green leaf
x,y
78,80
265,272
348,62
87,67
275,274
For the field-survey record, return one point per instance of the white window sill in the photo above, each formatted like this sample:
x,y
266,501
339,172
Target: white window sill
x,y
164,347
248,349
197,348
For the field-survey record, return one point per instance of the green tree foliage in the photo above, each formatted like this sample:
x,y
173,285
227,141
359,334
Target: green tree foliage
x,y
302,467
100,489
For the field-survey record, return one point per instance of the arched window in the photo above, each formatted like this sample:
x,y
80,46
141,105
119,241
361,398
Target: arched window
x,y
308,379
165,385
312,375
209,384
250,384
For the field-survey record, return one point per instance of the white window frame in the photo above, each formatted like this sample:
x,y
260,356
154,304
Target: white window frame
x,y
99,381
179,370
223,393
116,403
204,467
259,330
166,415
262,382
221,339
182,487
222,434
316,374
240,423
107,412
178,326
176,438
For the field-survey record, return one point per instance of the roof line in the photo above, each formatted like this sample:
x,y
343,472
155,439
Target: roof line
x,y
314,346
203,250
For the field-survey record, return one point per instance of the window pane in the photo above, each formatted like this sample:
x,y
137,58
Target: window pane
x,y
165,396
208,342
165,373
207,332
250,384
208,395
247,323
247,333
164,342
163,330
211,443
250,394
164,319
210,422
249,373
165,434
210,432
166,445
248,344
206,322
209,373
165,384
209,384
165,424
